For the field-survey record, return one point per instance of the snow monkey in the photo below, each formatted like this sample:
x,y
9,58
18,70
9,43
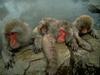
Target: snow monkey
x,y
84,25
16,34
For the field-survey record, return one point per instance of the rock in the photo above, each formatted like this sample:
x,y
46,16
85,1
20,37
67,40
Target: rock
x,y
94,6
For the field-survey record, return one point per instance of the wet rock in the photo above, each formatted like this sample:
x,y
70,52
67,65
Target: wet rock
x,y
94,6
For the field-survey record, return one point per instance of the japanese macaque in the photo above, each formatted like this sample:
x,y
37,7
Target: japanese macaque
x,y
16,34
83,25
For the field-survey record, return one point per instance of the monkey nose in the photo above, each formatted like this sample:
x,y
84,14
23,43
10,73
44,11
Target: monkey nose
x,y
14,44
84,31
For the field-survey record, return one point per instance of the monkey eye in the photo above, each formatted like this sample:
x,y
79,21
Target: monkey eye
x,y
88,28
13,33
82,26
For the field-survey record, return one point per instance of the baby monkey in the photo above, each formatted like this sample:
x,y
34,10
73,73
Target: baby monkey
x,y
81,26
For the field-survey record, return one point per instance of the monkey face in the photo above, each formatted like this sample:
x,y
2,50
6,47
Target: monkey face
x,y
84,29
61,35
12,39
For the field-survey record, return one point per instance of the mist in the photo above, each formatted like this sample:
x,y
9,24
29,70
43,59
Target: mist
x,y
32,11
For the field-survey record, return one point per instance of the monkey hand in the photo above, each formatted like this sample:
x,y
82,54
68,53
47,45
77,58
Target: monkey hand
x,y
83,44
72,44
36,49
10,63
94,34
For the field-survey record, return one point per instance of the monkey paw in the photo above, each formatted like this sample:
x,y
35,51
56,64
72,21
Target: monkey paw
x,y
94,34
9,64
74,46
36,50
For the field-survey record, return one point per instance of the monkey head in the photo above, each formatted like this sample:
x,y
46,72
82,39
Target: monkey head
x,y
17,33
84,23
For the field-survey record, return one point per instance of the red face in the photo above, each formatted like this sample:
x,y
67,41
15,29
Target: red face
x,y
61,35
12,39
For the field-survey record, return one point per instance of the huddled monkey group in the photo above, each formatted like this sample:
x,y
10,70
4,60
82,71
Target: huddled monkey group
x,y
45,35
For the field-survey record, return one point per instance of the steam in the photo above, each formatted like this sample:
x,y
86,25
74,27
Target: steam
x,y
32,11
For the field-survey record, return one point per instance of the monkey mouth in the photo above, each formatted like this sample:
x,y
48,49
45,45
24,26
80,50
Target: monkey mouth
x,y
14,44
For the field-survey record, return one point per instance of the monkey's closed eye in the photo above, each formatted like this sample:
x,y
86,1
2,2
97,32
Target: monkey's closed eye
x,y
13,33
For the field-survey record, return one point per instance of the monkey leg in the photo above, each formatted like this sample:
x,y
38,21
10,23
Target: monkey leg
x,y
50,54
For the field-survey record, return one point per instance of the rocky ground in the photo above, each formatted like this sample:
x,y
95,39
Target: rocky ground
x,y
83,62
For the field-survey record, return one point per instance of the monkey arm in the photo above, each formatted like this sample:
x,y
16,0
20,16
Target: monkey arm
x,y
82,43
71,41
